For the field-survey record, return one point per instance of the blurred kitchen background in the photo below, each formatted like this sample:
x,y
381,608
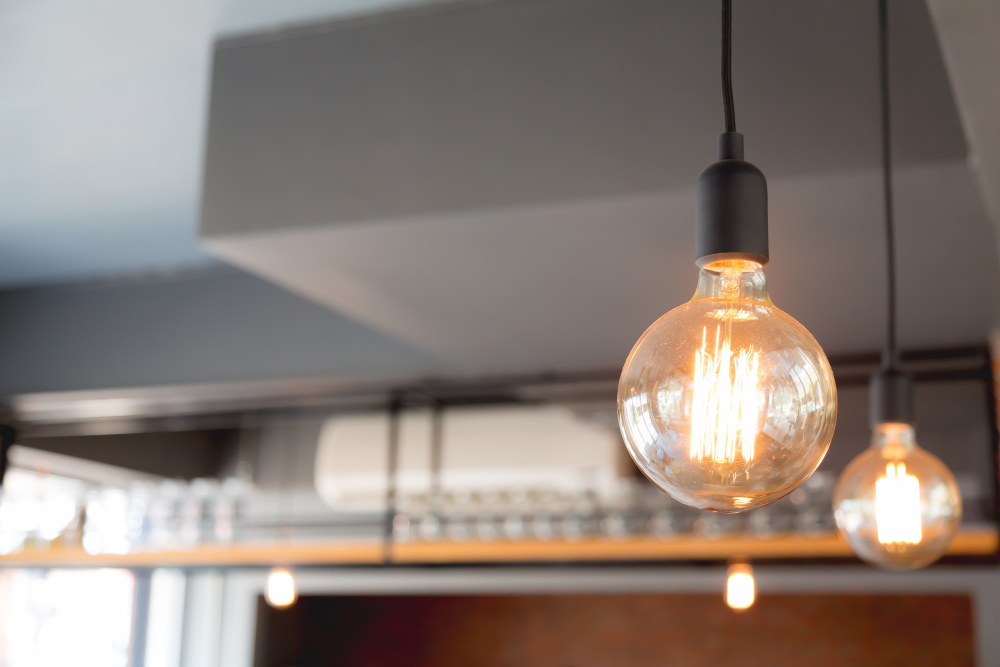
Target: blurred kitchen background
x,y
345,286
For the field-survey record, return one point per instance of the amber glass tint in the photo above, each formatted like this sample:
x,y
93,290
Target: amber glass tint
x,y
727,403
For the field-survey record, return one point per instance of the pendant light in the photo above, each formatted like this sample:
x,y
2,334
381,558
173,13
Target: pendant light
x,y
896,505
727,403
280,591
741,589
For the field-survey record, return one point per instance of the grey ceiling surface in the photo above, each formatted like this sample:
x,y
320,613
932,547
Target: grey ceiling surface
x,y
466,105
969,33
242,17
206,326
510,184
569,286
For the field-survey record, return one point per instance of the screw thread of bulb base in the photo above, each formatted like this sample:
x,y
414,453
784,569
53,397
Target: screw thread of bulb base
x,y
890,398
731,207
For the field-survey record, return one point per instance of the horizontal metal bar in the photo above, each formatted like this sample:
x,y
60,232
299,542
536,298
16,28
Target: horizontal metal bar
x,y
229,405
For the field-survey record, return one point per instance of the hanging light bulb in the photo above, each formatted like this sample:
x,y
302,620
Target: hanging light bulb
x,y
897,505
726,402
740,586
280,591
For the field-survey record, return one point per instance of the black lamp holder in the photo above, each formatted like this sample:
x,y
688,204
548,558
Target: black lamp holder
x,y
890,398
731,193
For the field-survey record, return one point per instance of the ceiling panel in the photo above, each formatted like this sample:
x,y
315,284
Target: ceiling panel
x,y
510,184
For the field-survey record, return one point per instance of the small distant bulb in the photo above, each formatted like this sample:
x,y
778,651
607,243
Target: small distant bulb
x,y
740,589
280,588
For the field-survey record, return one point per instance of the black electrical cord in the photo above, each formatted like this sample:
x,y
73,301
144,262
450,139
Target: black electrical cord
x,y
727,64
891,359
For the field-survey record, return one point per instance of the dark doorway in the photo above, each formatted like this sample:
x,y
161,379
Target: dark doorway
x,y
616,631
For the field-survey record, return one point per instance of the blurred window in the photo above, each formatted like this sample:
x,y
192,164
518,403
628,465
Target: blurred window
x,y
65,617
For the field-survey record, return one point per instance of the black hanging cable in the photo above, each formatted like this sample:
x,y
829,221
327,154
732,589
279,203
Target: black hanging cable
x,y
891,390
727,64
891,353
731,193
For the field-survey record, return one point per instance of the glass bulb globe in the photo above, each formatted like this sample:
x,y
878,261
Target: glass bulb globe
x,y
897,505
726,403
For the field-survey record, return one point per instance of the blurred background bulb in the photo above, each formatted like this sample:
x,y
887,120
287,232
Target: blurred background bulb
x,y
740,586
897,505
280,591
726,402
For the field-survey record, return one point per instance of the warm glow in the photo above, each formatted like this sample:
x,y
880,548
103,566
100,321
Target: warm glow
x,y
897,506
726,403
280,588
740,587
724,410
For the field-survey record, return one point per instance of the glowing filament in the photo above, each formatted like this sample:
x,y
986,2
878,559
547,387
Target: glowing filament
x,y
724,414
897,506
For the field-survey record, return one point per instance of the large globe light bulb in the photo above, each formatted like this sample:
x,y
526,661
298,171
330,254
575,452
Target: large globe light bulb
x,y
897,505
727,403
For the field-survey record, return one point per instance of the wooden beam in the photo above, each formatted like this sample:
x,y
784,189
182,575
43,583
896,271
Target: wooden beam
x,y
688,547
979,542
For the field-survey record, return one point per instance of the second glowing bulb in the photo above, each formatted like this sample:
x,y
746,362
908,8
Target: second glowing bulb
x,y
896,504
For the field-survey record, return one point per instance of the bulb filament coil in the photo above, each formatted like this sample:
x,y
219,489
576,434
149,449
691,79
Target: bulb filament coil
x,y
897,506
725,401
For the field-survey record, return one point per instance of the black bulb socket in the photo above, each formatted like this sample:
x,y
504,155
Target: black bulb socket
x,y
731,208
890,398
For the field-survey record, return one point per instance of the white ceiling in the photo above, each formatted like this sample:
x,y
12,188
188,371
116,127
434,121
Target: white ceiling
x,y
102,108
102,119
